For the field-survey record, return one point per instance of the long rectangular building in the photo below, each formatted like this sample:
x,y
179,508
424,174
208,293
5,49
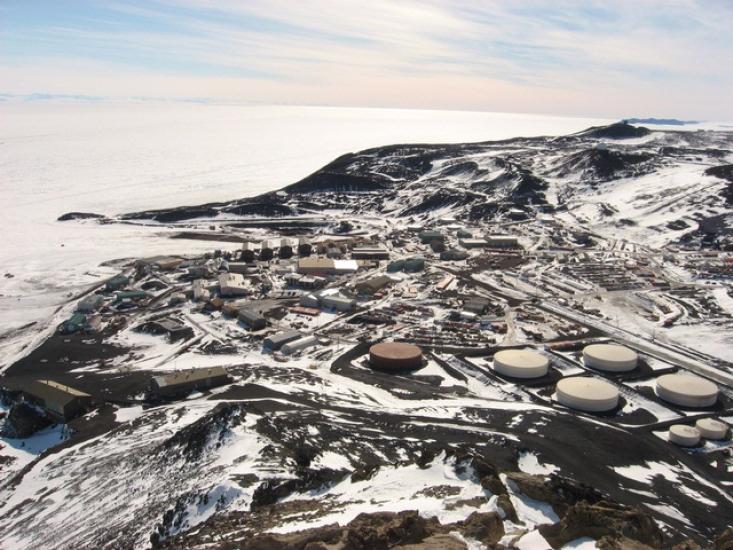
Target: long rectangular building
x,y
60,400
186,381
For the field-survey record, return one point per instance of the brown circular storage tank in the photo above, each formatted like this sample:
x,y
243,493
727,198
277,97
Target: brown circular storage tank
x,y
395,356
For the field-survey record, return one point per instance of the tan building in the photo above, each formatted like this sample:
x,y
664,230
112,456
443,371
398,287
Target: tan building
x,y
58,399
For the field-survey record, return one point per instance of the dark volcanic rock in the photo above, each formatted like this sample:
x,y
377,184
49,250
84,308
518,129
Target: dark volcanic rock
x,y
486,527
261,208
618,130
603,519
326,181
171,215
23,421
272,490
209,430
724,541
603,164
724,172
385,530
441,199
560,492
79,216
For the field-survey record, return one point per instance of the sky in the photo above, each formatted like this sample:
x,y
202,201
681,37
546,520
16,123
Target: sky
x,y
664,58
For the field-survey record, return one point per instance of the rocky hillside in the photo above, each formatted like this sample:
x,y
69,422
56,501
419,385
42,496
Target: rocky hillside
x,y
655,187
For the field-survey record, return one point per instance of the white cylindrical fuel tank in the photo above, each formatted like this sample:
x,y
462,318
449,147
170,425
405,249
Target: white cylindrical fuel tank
x,y
683,435
710,428
687,391
520,363
587,394
610,357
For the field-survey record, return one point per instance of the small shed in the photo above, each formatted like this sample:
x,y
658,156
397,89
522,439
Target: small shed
x,y
90,304
117,282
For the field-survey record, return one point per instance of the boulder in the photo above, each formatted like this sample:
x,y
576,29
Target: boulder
x,y
486,527
24,420
384,530
724,541
505,503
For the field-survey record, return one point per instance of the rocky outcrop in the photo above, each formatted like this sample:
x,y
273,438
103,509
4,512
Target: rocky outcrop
x,y
560,492
724,541
79,216
23,421
272,490
486,527
618,130
603,519
209,430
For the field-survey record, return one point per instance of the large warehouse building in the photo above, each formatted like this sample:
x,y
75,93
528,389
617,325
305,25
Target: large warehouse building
x,y
395,356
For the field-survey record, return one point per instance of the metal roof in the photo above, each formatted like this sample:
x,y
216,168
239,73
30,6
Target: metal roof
x,y
188,376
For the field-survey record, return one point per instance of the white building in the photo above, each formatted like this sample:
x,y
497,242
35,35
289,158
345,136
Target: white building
x,y
233,284
200,292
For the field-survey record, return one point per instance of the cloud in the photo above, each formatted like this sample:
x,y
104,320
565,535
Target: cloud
x,y
575,57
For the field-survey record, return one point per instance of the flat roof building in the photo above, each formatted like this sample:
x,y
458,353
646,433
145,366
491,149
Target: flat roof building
x,y
374,284
473,243
502,241
252,319
370,252
318,265
233,284
337,302
171,327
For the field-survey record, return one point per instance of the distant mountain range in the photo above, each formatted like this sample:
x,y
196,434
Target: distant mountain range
x,y
661,121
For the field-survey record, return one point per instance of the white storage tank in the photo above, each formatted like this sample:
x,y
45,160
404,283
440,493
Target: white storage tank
x,y
686,390
683,435
710,428
520,363
610,357
587,394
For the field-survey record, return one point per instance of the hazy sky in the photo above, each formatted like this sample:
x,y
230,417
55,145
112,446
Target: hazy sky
x,y
606,58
